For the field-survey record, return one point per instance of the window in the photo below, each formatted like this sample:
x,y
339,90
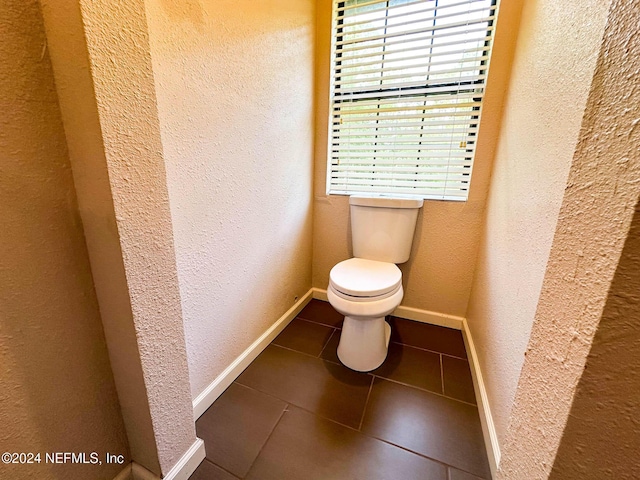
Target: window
x,y
407,82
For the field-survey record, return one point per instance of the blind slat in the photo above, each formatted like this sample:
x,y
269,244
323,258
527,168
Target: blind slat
x,y
428,193
461,83
460,167
431,92
381,155
416,163
399,183
390,113
397,148
419,137
442,103
347,129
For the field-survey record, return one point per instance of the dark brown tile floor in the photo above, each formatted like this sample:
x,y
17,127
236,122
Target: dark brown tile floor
x,y
297,413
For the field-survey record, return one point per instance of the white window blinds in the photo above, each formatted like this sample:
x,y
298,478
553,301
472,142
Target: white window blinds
x,y
406,90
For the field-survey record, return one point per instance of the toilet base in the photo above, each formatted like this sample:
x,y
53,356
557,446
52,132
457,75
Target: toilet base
x,y
364,342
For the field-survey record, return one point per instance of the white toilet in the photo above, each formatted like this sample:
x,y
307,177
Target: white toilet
x,y
368,287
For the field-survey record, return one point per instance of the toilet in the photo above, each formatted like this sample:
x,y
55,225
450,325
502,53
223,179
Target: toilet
x,y
367,288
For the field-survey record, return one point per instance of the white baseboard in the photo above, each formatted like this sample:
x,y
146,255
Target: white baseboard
x,y
482,399
125,474
416,314
226,378
320,294
187,463
182,470
426,316
138,472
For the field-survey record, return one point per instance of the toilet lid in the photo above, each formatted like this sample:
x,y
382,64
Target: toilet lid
x,y
359,277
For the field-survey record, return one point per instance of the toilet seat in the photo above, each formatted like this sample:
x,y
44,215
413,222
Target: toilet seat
x,y
359,279
352,298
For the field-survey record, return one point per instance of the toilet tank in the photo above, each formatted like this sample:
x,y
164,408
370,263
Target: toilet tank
x,y
382,228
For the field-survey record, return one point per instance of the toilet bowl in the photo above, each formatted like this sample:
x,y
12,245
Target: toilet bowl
x,y
367,288
365,292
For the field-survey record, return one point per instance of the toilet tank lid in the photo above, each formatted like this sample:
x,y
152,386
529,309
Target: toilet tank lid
x,y
386,202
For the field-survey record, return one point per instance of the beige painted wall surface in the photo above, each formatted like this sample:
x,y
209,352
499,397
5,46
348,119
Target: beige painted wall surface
x,y
234,83
439,274
102,65
56,387
602,435
576,406
552,70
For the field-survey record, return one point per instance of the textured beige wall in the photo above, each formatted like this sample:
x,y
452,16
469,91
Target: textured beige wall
x,y
552,70
101,58
57,391
439,274
602,436
234,83
590,289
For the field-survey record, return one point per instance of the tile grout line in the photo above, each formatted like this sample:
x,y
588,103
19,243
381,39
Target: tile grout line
x,y
447,466
317,323
284,410
442,374
220,467
289,404
326,343
297,351
366,403
466,359
408,385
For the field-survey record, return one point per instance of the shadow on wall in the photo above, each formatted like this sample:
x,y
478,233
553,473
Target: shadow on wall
x,y
57,391
407,267
602,436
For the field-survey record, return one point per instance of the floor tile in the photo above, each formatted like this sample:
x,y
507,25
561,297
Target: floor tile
x,y
236,427
455,474
304,446
430,337
330,390
412,366
429,424
330,351
304,336
209,471
457,379
321,312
